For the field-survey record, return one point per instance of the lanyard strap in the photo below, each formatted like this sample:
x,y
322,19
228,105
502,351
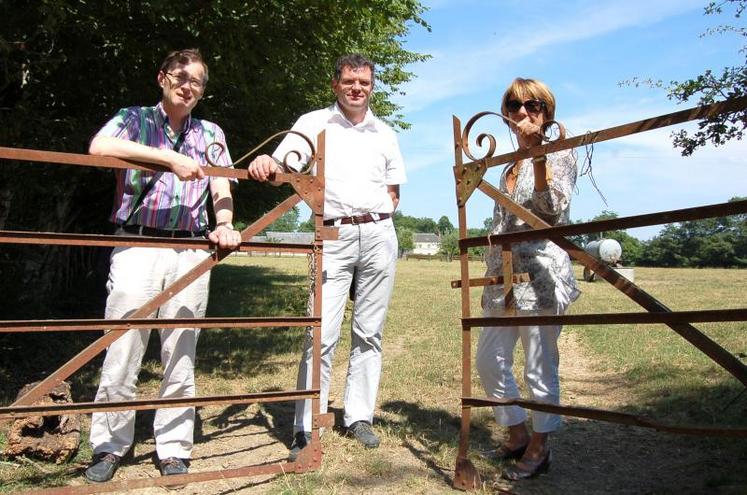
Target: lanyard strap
x,y
139,201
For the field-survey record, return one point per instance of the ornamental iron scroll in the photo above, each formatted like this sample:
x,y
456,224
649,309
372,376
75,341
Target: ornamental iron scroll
x,y
306,169
466,477
469,176
309,187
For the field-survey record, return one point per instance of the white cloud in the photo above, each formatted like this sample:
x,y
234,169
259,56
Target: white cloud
x,y
464,68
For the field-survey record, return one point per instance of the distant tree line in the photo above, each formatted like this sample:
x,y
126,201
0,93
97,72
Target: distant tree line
x,y
712,242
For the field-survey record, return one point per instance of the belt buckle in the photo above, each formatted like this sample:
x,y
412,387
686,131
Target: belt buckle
x,y
353,220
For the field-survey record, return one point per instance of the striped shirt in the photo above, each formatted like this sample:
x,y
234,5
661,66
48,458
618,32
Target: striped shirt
x,y
170,204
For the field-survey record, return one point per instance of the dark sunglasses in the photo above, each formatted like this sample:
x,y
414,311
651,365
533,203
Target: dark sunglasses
x,y
532,106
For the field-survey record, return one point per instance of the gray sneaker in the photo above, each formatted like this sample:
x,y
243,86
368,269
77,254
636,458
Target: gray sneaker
x,y
300,440
172,465
362,431
103,467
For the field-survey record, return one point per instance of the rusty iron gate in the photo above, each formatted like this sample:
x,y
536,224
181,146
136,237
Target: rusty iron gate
x,y
469,177
309,188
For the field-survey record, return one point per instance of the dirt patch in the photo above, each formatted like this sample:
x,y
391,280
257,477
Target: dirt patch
x,y
597,457
419,440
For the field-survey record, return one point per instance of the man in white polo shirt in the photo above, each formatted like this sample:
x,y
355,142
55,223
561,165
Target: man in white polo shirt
x,y
363,171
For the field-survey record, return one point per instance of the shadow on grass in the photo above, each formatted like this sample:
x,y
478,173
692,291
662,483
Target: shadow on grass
x,y
672,396
435,430
234,291
589,455
251,291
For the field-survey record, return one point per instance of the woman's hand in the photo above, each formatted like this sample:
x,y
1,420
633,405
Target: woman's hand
x,y
527,133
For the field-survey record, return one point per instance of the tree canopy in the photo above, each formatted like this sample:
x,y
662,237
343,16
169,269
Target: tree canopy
x,y
66,66
710,86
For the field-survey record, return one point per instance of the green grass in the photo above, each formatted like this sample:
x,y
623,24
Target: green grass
x,y
667,375
419,415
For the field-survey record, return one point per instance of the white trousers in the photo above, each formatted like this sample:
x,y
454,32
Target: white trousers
x,y
495,360
369,249
135,276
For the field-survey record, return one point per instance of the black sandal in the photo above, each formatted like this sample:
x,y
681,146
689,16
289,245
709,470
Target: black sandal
x,y
535,468
503,453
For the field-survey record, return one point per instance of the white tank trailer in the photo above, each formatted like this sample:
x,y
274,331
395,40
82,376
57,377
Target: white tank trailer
x,y
609,252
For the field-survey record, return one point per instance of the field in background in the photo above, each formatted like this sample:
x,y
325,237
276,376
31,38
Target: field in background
x,y
656,373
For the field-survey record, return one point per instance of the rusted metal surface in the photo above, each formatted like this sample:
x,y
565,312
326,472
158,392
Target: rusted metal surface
x,y
324,233
56,157
671,216
609,416
466,476
467,179
612,318
544,134
709,347
695,113
308,188
28,326
469,176
99,240
311,456
464,473
149,307
479,282
326,420
507,259
174,481
153,403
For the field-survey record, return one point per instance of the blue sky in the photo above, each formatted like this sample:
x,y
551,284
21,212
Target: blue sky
x,y
582,50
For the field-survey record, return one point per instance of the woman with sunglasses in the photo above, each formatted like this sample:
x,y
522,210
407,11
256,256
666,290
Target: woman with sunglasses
x,y
542,185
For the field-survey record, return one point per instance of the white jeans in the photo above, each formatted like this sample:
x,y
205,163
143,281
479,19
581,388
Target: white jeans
x,y
369,249
495,360
135,276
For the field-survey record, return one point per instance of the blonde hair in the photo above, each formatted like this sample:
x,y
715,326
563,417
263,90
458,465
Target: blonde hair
x,y
529,89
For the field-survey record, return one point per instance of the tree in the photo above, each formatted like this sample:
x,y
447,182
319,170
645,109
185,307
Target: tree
x,y
422,224
710,242
631,247
308,225
450,245
288,222
405,240
66,66
711,86
444,225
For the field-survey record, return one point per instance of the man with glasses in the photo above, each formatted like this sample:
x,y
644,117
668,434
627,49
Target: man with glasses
x,y
170,204
363,171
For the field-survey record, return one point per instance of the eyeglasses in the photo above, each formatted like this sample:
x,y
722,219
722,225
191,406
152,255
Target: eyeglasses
x,y
183,77
532,106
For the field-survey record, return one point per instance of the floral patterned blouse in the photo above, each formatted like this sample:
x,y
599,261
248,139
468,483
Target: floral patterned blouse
x,y
553,285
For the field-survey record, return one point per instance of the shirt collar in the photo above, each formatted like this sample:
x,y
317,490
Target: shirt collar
x,y
369,121
163,118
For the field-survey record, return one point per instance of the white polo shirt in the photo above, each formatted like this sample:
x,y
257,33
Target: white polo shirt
x,y
361,160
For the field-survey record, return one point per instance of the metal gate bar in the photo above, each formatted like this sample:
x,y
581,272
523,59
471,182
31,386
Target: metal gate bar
x,y
27,326
469,177
307,188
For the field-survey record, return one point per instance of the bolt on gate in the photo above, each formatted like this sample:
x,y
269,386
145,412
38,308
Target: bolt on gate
x,y
309,188
469,177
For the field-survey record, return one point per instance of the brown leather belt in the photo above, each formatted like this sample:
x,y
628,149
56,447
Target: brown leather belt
x,y
359,219
153,232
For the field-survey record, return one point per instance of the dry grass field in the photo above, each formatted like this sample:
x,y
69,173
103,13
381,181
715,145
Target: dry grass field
x,y
641,369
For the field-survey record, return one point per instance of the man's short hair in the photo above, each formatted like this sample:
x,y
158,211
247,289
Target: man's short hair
x,y
183,57
354,61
